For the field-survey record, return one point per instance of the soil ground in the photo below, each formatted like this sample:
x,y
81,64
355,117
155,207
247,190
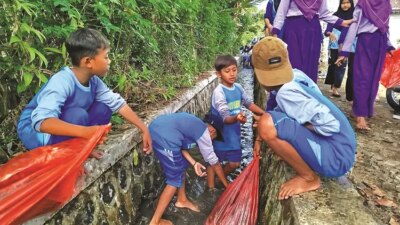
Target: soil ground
x,y
376,173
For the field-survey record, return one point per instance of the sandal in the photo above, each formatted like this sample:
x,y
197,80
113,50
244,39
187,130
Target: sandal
x,y
362,130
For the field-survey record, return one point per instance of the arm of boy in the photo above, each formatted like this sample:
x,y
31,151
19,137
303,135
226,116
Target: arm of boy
x,y
220,104
256,109
257,146
131,116
56,126
198,167
207,151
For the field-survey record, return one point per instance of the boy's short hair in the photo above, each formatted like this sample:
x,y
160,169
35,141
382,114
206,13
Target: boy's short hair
x,y
85,42
223,61
217,123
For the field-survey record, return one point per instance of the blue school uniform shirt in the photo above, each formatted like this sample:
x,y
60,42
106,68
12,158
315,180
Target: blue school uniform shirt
x,y
302,101
177,131
227,101
61,92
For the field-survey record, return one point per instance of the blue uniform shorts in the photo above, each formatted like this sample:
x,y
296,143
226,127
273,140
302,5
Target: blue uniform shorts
x,y
230,156
173,164
319,152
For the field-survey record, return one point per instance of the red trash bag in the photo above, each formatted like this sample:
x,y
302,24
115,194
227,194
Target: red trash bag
x,y
391,70
43,179
239,202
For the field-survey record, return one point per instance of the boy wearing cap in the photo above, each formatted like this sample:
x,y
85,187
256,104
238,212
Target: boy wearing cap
x,y
171,134
305,129
226,102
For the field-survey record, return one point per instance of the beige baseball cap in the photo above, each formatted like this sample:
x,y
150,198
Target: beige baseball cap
x,y
271,62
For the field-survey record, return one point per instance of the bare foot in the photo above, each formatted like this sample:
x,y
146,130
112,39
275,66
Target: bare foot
x,y
298,185
362,124
162,222
188,204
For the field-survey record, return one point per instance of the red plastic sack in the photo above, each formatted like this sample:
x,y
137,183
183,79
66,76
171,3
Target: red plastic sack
x,y
42,179
391,70
239,202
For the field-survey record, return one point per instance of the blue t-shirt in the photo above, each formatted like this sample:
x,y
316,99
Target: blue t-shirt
x,y
176,131
227,102
61,92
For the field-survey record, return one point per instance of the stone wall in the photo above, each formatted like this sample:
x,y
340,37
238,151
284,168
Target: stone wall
x,y
117,184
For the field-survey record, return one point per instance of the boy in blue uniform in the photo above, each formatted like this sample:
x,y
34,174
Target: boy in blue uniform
x,y
305,129
226,102
75,100
173,134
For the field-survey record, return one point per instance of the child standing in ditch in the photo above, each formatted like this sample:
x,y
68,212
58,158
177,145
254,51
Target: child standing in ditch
x,y
226,102
173,137
75,100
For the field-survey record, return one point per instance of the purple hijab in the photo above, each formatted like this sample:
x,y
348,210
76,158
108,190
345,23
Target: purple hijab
x,y
308,7
377,11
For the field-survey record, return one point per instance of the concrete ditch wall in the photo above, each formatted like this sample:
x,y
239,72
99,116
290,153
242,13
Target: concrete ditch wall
x,y
112,192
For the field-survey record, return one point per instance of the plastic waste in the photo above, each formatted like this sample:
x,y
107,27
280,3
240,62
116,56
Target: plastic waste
x,y
43,179
238,204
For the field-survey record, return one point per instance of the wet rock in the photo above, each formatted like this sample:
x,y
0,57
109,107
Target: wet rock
x,y
85,216
107,193
3,157
123,215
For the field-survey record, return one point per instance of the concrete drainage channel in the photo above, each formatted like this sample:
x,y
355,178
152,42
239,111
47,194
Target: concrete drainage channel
x,y
115,187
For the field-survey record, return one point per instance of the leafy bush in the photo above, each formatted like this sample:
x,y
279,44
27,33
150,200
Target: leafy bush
x,y
157,46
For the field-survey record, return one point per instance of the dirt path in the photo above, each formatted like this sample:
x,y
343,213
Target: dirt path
x,y
376,174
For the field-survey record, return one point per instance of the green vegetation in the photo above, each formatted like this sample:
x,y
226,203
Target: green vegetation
x,y
158,46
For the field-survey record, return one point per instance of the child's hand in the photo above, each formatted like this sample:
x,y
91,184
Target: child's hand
x,y
90,131
332,37
198,168
340,60
241,117
147,145
256,119
96,154
256,148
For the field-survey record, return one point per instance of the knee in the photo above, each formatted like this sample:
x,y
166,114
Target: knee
x,y
234,165
266,128
99,114
78,116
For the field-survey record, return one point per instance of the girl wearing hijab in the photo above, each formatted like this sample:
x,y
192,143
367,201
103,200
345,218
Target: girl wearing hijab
x,y
269,16
303,31
336,73
371,28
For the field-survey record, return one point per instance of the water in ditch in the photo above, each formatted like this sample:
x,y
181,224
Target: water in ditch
x,y
196,188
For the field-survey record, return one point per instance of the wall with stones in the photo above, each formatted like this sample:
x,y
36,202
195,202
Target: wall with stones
x,y
272,175
117,184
